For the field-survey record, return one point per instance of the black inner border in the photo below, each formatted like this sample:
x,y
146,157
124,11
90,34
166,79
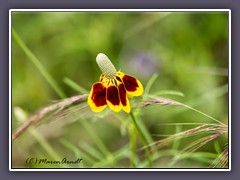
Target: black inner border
x,y
126,10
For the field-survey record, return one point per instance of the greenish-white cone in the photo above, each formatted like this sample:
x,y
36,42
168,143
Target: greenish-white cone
x,y
106,66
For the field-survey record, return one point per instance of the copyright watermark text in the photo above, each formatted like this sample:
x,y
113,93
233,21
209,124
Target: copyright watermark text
x,y
34,160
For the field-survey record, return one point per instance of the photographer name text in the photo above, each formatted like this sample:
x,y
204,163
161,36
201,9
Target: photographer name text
x,y
34,160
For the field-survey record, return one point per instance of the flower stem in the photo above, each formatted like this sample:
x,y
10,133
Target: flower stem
x,y
142,138
132,133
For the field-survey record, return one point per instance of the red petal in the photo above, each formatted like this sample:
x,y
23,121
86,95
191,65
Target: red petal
x,y
122,94
130,83
99,95
112,95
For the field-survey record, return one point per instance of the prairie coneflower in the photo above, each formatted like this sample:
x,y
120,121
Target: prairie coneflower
x,y
113,89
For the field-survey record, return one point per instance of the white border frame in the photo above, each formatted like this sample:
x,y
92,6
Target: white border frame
x,y
118,10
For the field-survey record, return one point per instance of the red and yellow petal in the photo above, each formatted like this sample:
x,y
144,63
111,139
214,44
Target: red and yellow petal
x,y
114,93
97,97
113,100
132,85
123,98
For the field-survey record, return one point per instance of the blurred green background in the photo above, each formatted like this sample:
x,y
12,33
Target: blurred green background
x,y
187,53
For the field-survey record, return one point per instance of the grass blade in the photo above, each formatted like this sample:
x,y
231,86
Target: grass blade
x,y
38,64
74,85
149,85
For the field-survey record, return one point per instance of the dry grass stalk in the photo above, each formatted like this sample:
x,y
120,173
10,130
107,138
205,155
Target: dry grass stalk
x,y
161,102
39,115
222,160
214,129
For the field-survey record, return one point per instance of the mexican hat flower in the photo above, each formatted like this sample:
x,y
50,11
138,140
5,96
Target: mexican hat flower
x,y
113,89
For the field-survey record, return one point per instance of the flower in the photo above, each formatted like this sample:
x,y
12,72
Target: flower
x,y
113,89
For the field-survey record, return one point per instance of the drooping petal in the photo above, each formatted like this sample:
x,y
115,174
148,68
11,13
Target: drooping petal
x,y
113,100
132,85
97,97
123,98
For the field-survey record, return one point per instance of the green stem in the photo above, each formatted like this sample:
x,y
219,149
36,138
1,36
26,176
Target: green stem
x,y
142,138
132,132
